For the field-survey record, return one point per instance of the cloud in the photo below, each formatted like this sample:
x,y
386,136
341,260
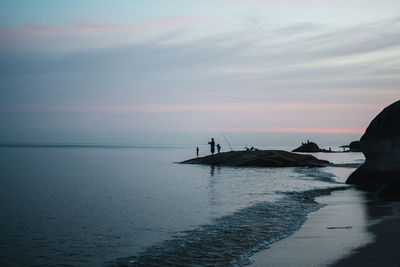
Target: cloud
x,y
263,3
269,54
36,29
303,77
173,108
310,130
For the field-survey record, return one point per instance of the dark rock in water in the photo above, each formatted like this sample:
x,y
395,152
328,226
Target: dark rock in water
x,y
260,158
355,146
307,147
381,146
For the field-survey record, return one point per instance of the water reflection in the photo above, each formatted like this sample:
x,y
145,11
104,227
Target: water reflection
x,y
378,209
212,191
212,171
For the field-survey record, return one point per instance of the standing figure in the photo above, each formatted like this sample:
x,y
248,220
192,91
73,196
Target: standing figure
x,y
218,148
197,151
212,146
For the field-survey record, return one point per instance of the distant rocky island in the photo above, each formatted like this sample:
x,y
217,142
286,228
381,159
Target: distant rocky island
x,y
311,147
259,158
381,146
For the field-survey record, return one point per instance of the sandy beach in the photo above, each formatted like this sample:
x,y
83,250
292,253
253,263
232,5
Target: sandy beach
x,y
353,229
385,250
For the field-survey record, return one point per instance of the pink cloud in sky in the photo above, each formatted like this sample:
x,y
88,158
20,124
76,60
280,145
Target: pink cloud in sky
x,y
310,130
39,30
168,108
321,130
243,107
259,3
230,117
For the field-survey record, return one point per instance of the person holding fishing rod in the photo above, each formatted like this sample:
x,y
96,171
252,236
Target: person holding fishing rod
x,y
212,146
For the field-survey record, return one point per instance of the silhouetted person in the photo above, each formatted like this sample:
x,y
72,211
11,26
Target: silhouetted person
x,y
212,146
197,151
218,148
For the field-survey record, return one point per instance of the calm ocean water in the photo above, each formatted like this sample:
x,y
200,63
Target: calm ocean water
x,y
133,206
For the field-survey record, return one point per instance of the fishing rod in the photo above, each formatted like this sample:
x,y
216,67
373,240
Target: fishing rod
x,y
226,140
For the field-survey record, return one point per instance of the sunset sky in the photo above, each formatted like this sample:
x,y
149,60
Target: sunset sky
x,y
178,71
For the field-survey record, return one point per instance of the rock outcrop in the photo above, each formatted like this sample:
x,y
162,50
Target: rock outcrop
x,y
260,158
355,146
381,146
307,147
390,190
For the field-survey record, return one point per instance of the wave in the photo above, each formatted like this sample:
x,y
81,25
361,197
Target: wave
x,y
232,239
316,174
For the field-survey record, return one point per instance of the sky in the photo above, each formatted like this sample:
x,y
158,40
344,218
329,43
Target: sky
x,y
180,71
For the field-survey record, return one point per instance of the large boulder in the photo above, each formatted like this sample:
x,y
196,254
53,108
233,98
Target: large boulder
x,y
390,190
381,146
355,146
307,147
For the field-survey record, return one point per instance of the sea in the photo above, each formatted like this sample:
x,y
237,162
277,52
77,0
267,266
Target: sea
x,y
126,205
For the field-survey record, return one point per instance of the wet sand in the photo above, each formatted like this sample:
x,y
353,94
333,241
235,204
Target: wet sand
x,y
384,251
373,239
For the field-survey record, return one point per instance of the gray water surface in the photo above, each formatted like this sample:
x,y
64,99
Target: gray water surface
x,y
88,206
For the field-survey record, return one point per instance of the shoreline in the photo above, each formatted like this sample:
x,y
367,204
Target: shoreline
x,y
316,245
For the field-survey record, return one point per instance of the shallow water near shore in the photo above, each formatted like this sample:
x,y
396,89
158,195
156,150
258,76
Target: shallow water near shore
x,y
328,235
119,205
